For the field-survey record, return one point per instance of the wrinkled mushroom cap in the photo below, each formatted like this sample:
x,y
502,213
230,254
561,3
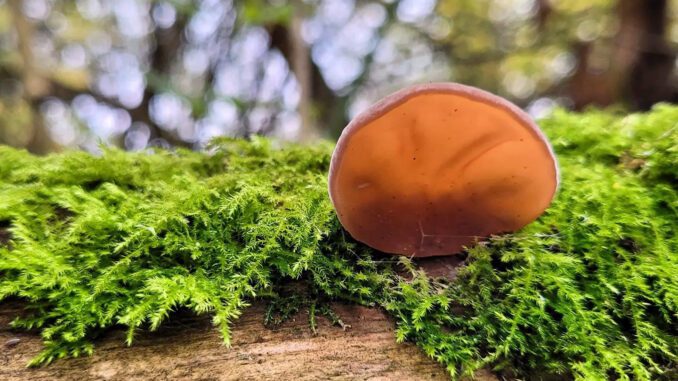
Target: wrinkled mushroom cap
x,y
436,167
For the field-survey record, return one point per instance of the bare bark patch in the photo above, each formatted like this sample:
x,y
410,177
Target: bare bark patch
x,y
189,348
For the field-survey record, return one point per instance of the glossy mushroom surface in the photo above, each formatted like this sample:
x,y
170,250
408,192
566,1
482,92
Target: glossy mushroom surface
x,y
436,167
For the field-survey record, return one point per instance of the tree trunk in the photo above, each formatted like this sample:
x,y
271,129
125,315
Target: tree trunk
x,y
35,86
300,62
651,80
167,48
638,68
318,98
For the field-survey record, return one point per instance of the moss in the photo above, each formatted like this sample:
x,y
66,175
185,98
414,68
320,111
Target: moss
x,y
590,289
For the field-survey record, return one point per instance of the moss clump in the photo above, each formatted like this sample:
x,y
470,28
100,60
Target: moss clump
x,y
590,289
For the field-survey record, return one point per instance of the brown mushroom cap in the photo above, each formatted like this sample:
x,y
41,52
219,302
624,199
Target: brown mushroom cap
x,y
435,167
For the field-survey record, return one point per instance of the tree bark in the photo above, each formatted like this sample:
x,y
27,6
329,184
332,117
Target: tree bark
x,y
189,348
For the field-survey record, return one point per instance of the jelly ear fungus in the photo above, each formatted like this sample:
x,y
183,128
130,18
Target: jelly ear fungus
x,y
433,168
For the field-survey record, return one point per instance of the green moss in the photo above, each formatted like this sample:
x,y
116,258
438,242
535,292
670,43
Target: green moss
x,y
589,289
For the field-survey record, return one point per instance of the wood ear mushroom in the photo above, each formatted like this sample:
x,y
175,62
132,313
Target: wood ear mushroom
x,y
433,168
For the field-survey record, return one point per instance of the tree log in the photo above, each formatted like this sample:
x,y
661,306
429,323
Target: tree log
x,y
189,348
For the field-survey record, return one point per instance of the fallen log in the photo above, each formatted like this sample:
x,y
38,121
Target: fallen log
x,y
189,348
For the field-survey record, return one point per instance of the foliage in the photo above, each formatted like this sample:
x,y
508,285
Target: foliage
x,y
590,289
164,70
521,49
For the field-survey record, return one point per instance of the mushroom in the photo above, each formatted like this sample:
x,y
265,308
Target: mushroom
x,y
434,168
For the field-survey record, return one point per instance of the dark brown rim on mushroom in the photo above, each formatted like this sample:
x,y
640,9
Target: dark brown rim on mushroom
x,y
392,101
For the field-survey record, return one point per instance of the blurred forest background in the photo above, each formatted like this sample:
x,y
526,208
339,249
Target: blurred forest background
x,y
141,73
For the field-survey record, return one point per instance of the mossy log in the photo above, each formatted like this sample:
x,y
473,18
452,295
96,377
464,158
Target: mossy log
x,y
94,244
189,348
